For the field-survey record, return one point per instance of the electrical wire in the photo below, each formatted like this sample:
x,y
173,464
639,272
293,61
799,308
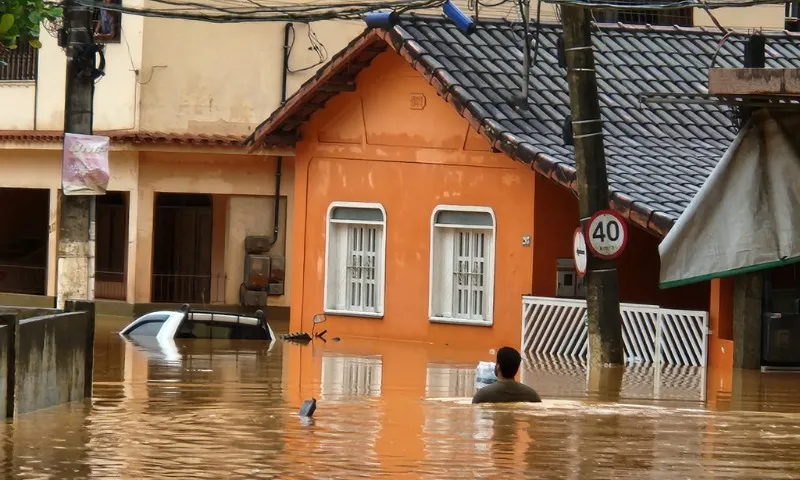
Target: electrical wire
x,y
316,45
255,12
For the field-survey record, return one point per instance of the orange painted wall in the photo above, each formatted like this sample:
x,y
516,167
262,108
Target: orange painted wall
x,y
555,220
395,142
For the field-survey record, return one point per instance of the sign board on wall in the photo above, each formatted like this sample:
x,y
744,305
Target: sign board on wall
x,y
84,165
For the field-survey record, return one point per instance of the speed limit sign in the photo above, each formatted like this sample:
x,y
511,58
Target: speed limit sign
x,y
607,234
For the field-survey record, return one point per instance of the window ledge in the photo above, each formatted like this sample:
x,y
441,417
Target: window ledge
x,y
347,313
462,321
17,83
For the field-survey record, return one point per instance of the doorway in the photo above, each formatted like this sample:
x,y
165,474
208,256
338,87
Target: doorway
x,y
25,216
182,233
111,250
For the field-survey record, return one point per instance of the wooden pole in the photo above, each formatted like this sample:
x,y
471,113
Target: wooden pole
x,y
602,289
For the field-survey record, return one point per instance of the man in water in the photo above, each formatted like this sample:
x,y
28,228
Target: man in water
x,y
506,389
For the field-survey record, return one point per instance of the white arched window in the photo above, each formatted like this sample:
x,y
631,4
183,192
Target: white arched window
x,y
462,265
354,259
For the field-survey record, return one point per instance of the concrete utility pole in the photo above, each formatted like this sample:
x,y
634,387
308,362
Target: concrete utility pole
x,y
75,268
602,289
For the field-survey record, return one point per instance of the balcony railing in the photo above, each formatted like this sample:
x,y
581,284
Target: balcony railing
x,y
110,285
26,279
19,65
177,288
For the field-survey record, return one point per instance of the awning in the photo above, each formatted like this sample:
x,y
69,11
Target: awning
x,y
746,216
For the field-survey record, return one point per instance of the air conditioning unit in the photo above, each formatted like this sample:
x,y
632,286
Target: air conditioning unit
x,y
568,284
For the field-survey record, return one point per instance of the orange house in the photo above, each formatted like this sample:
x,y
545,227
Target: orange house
x,y
427,205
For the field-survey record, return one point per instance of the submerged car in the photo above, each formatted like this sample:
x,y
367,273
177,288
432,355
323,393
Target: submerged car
x,y
187,323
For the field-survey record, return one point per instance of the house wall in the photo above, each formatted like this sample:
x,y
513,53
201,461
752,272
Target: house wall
x,y
240,185
555,220
40,104
376,145
194,84
224,78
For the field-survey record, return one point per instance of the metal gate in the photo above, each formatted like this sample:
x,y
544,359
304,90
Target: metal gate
x,y
558,327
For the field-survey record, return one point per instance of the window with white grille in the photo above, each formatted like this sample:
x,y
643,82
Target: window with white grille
x,y
354,274
462,265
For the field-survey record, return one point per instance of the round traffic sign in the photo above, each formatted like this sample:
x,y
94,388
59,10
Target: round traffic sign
x,y
607,234
579,252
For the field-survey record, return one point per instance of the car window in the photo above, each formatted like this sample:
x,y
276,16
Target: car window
x,y
147,329
220,330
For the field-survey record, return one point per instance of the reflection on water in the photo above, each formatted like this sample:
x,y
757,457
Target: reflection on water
x,y
226,409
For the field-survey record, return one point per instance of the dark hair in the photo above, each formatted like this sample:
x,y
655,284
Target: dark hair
x,y
508,360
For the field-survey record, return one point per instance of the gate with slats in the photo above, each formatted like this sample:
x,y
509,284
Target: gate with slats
x,y
558,327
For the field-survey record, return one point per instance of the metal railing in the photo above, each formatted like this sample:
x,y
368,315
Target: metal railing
x,y
25,279
110,285
21,64
558,327
177,288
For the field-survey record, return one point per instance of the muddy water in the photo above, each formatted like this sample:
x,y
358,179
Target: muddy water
x,y
397,410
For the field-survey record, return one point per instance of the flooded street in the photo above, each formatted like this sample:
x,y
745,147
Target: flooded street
x,y
227,409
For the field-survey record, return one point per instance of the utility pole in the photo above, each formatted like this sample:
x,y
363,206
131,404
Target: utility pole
x,y
75,268
602,288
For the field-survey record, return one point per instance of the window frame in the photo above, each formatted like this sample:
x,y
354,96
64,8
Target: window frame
x,y
117,36
380,299
490,271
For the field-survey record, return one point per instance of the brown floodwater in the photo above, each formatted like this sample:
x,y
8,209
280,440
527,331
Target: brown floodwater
x,y
397,410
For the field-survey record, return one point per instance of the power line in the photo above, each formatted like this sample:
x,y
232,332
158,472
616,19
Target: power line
x,y
255,12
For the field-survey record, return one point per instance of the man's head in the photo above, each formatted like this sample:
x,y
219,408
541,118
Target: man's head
x,y
508,360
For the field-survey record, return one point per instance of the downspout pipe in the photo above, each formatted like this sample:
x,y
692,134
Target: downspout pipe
x,y
287,30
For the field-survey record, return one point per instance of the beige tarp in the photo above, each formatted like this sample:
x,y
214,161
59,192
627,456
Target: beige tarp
x,y
746,217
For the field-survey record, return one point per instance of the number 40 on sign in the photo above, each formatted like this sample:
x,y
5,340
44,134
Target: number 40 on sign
x,y
607,234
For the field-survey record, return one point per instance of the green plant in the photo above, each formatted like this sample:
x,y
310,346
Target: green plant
x,y
21,20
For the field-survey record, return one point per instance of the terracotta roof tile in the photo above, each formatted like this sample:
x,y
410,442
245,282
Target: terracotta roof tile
x,y
658,156
142,137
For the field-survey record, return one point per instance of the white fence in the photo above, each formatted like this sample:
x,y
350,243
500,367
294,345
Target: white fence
x,y
559,327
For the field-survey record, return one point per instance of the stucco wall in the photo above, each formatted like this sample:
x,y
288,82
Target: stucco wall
x,y
142,174
226,177
173,75
375,145
249,216
116,93
372,146
224,78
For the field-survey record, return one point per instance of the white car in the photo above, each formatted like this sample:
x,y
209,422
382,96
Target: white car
x,y
186,323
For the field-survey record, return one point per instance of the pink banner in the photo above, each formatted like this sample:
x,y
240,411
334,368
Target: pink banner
x,y
84,165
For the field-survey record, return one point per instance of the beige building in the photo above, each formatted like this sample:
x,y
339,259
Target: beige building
x,y
177,99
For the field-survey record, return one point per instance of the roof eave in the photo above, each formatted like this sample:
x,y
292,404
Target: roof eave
x,y
311,86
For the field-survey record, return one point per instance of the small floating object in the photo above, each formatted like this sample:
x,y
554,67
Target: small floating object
x,y
484,374
299,337
308,408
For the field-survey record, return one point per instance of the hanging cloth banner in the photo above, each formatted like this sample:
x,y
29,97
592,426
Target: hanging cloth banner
x,y
84,165
746,216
